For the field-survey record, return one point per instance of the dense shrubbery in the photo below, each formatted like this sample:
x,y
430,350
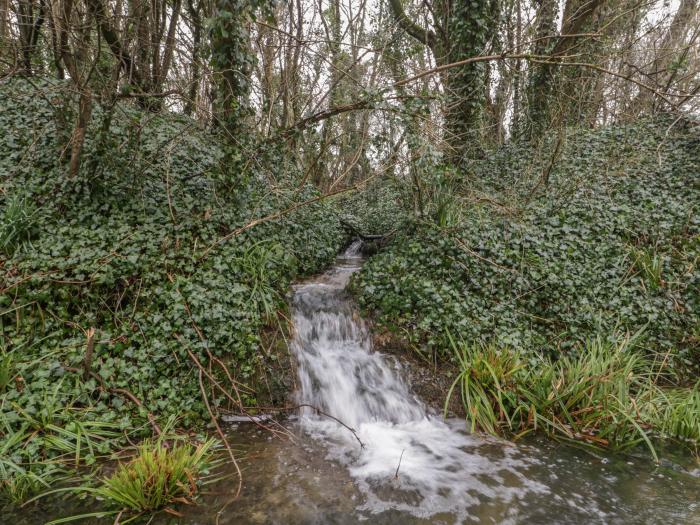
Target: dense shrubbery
x,y
124,249
548,250
528,268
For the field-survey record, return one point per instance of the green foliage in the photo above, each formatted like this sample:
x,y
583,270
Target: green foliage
x,y
443,206
487,385
610,243
470,25
233,61
141,247
376,209
158,476
6,371
677,413
259,261
60,431
18,224
606,395
650,264
17,484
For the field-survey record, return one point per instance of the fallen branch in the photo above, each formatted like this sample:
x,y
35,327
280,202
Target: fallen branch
x,y
271,217
319,412
363,236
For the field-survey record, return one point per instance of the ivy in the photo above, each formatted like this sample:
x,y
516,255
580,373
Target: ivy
x,y
124,249
610,244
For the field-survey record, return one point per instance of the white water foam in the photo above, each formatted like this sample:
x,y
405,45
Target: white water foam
x,y
411,461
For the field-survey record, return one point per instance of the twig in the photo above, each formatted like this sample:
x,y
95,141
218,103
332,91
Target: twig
x,y
396,474
234,384
319,412
270,217
90,348
218,385
226,444
121,391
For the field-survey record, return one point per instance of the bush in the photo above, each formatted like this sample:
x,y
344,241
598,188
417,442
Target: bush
x,y
132,251
609,245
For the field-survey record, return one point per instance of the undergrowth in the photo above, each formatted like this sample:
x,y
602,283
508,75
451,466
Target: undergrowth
x,y
610,244
156,475
534,268
607,395
113,284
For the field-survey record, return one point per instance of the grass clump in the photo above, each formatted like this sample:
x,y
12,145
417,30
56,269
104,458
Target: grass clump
x,y
18,484
158,476
606,395
488,382
677,412
17,224
163,472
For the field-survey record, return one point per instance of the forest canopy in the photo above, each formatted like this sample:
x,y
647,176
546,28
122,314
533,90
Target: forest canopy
x,y
355,86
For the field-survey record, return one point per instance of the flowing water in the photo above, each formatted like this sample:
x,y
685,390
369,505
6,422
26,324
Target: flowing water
x,y
402,457
367,450
407,463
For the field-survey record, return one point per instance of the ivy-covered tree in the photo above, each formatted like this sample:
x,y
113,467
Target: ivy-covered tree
x,y
462,29
232,60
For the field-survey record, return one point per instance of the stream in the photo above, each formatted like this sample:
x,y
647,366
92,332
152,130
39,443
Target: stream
x,y
414,467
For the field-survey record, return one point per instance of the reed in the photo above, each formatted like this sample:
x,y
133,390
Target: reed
x,y
17,224
18,483
606,395
676,413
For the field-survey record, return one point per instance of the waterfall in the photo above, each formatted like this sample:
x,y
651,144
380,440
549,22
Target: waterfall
x,y
354,250
411,460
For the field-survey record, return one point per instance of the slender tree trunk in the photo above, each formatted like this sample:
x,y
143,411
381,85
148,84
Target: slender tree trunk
x,y
541,79
670,49
195,64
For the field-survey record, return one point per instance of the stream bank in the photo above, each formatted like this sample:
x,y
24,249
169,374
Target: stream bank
x,y
413,467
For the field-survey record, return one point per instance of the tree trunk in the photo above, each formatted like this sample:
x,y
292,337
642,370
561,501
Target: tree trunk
x,y
541,78
662,73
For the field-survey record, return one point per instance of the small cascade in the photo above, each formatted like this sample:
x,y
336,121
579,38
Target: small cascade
x,y
338,371
411,460
355,249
